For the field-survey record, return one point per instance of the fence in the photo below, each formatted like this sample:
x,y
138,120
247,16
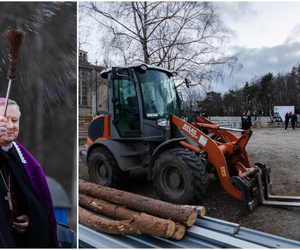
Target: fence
x,y
235,122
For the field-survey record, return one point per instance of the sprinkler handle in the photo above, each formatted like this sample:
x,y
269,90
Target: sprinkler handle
x,y
12,70
7,97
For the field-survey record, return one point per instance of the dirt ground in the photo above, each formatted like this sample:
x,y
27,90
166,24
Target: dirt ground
x,y
271,146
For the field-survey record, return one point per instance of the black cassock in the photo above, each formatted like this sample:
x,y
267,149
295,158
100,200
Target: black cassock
x,y
25,200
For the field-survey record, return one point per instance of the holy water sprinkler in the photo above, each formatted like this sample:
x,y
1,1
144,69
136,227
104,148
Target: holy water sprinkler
x,y
15,39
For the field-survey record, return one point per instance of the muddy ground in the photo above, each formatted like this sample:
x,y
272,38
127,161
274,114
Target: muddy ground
x,y
275,148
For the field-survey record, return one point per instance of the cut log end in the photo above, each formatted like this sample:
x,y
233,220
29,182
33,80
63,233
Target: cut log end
x,y
192,218
170,230
179,232
201,211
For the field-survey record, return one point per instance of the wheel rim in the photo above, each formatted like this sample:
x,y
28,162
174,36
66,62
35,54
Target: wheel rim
x,y
101,171
173,180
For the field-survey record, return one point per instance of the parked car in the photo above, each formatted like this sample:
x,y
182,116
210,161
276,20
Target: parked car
x,y
277,117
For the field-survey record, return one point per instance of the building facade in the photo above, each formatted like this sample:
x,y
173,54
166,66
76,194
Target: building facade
x,y
92,92
92,89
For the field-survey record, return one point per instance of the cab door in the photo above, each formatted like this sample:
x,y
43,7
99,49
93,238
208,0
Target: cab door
x,y
126,108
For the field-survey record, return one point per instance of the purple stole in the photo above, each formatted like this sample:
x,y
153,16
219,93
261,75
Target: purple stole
x,y
39,182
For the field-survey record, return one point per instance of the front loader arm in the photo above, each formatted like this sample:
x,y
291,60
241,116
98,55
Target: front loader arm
x,y
226,136
252,183
215,152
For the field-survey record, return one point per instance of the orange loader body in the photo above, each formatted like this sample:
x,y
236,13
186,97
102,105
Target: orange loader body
x,y
142,128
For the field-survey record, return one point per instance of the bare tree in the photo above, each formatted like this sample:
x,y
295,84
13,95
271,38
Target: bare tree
x,y
182,36
192,97
233,101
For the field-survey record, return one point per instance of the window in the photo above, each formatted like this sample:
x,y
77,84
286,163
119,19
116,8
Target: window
x,y
159,94
83,88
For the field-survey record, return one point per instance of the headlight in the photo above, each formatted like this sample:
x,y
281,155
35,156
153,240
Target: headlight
x,y
144,67
161,122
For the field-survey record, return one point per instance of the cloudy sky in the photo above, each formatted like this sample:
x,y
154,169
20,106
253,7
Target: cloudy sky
x,y
265,34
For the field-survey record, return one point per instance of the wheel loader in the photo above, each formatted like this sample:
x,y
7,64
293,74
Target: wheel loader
x,y
143,128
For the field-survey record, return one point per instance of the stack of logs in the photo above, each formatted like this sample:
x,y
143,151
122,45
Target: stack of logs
x,y
132,213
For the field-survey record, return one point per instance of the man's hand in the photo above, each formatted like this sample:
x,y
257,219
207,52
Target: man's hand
x,y
22,225
3,125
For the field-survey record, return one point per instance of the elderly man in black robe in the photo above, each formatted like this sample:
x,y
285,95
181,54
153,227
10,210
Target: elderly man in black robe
x,y
26,208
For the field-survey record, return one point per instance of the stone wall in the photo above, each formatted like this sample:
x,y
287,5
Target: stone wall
x,y
83,124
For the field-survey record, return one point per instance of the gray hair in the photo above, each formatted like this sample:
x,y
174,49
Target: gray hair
x,y
11,102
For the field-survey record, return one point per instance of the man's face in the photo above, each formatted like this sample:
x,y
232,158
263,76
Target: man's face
x,y
12,129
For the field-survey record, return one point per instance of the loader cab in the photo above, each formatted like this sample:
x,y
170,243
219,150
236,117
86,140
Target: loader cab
x,y
139,95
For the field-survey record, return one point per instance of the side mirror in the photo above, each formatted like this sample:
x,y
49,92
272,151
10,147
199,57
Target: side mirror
x,y
115,74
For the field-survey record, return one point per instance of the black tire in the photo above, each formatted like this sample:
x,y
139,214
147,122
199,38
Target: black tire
x,y
180,177
104,170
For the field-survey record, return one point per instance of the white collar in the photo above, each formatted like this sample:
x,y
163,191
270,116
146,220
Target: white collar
x,y
5,149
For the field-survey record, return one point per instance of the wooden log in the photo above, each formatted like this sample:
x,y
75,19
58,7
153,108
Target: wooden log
x,y
179,232
162,209
101,224
140,222
201,211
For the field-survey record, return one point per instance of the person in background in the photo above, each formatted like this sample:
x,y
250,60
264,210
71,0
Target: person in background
x,y
66,236
249,122
244,121
294,120
287,118
26,208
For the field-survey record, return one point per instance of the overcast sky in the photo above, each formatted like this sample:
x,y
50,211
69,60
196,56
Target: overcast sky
x,y
266,35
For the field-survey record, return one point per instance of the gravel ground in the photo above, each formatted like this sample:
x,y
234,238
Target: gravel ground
x,y
271,146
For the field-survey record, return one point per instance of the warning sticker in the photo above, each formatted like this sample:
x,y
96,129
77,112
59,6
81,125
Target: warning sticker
x,y
202,140
223,171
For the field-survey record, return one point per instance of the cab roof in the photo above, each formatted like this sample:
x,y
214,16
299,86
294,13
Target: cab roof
x,y
104,73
